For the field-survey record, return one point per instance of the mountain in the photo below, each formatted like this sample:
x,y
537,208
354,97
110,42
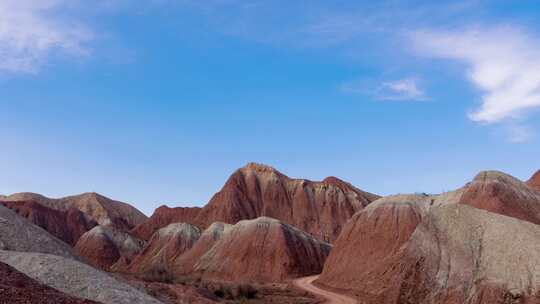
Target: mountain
x,y
166,245
371,243
164,216
103,210
503,194
262,250
185,263
17,288
534,181
75,278
104,246
68,225
320,208
455,254
18,234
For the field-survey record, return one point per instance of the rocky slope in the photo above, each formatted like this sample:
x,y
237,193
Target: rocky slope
x,y
371,243
534,181
75,278
18,234
456,254
165,246
104,246
262,250
320,208
185,263
503,194
103,210
68,225
17,288
164,216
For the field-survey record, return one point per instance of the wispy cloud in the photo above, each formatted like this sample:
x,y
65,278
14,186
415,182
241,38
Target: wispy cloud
x,y
30,32
406,89
503,63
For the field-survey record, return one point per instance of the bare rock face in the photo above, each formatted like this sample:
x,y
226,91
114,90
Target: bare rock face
x,y
320,208
164,216
68,225
534,181
104,246
75,278
17,288
165,246
503,194
456,254
101,209
262,250
185,263
18,234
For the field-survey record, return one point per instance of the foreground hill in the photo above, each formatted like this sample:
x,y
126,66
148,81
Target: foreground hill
x,y
409,249
67,226
75,278
320,208
17,288
262,250
103,210
18,234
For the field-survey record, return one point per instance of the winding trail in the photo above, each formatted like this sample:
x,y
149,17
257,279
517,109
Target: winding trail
x,y
330,297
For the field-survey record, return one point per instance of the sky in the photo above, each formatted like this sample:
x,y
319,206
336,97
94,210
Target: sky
x,y
159,101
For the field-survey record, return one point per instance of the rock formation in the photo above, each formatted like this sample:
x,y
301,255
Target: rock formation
x,y
68,225
503,194
18,234
320,208
456,254
371,242
17,288
534,181
262,250
104,246
185,263
101,209
75,278
164,216
165,246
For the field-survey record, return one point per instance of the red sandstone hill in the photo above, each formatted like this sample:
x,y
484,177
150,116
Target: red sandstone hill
x,y
406,250
320,208
68,225
534,181
262,250
103,210
104,246
164,216
503,194
165,246
17,288
185,263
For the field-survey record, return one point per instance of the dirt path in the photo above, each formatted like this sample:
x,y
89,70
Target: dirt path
x,y
331,297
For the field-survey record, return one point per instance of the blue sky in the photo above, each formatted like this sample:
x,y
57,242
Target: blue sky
x,y
160,101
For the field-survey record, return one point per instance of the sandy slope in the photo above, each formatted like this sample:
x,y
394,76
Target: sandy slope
x,y
306,284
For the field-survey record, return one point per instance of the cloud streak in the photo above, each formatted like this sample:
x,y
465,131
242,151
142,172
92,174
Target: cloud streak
x,y
30,33
502,62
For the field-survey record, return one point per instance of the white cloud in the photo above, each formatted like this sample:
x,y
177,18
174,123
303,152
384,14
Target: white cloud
x,y
30,32
403,89
503,63
406,89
